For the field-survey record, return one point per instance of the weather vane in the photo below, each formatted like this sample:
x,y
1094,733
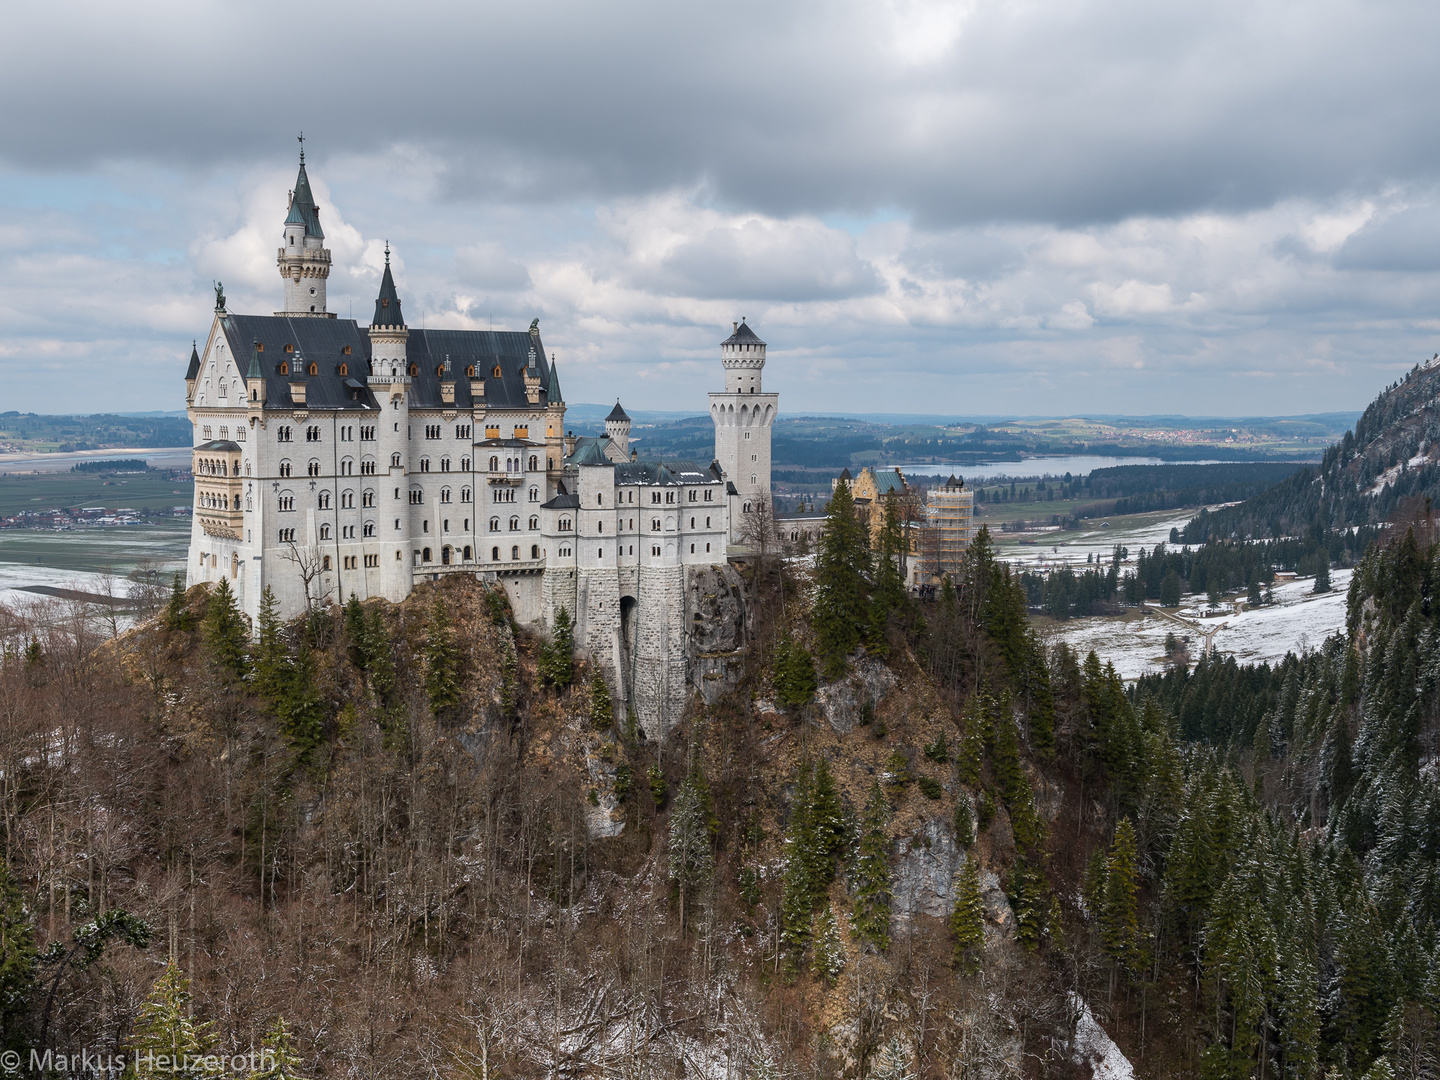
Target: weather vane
x,y
301,137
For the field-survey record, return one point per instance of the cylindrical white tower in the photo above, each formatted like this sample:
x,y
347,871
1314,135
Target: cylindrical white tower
x,y
304,260
743,416
617,426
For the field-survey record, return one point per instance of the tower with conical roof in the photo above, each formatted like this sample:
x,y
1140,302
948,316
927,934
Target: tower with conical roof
x,y
617,426
743,416
304,260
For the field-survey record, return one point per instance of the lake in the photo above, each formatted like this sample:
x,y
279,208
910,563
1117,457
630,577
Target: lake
x,y
1056,467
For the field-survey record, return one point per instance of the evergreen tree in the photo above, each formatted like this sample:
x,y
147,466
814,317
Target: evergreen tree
x,y
828,957
355,630
888,595
167,1041
225,629
814,838
794,674
442,659
17,960
273,670
278,1059
1170,588
870,885
177,611
1322,575
964,821
967,918
1028,902
1120,899
602,711
301,712
379,665
659,789
841,591
692,859
557,658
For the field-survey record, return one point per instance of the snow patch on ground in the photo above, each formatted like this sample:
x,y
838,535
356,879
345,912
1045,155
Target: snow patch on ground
x,y
1298,621
1096,1049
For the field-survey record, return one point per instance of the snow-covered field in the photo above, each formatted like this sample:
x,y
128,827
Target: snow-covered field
x,y
1297,621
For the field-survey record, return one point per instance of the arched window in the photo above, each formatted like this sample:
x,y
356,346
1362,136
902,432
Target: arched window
x,y
415,370
313,468
424,464
534,462
284,368
285,468
367,498
534,551
444,464
347,500
325,564
445,495
369,528
495,524
464,494
534,521
494,554
467,552
599,499
564,524
344,369
395,461
534,494
464,464
494,464
314,368
470,374
425,555
514,524
515,553
325,531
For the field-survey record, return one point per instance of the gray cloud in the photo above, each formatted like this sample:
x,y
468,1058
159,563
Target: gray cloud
x,y
950,113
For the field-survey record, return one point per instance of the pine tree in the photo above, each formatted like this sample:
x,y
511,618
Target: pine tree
x,y
1120,899
828,957
964,821
557,659
1322,575
167,1041
355,630
278,1059
177,611
871,887
225,629
273,670
379,665
841,591
301,712
1170,590
602,711
967,918
794,674
814,837
1029,903
442,660
17,959
692,859
888,595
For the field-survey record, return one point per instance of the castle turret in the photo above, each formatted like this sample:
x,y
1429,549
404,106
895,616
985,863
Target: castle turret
x,y
617,426
304,260
192,373
743,416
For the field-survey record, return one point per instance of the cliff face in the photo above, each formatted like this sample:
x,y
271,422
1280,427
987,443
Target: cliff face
x,y
461,861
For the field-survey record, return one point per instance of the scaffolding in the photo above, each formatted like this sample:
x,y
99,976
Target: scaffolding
x,y
946,534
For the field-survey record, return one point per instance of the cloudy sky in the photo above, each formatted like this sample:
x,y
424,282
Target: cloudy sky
x,y
1029,206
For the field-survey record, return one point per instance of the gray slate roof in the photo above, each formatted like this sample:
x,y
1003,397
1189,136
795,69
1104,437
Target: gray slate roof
x,y
743,335
193,371
303,210
617,413
322,341
387,303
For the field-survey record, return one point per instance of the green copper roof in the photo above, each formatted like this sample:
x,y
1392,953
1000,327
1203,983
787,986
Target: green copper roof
x,y
255,371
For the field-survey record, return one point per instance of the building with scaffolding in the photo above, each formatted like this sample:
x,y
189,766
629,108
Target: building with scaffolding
x,y
940,541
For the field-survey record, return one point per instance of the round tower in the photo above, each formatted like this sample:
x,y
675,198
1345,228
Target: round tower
x,y
617,426
743,416
304,260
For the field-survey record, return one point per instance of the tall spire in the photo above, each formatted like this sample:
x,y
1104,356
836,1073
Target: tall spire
x,y
552,392
387,304
304,260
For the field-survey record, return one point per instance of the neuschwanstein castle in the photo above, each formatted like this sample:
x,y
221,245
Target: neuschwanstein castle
x,y
332,459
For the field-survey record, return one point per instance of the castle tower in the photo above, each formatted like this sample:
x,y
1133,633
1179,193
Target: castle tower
x,y
389,381
743,416
617,426
304,260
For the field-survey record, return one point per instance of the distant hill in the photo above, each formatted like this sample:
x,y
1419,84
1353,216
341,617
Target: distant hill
x,y
1392,455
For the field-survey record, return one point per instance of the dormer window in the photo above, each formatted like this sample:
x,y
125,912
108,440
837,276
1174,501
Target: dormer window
x,y
259,346
439,371
289,348
414,370
496,372
344,369
284,368
314,368
470,372
385,302
345,351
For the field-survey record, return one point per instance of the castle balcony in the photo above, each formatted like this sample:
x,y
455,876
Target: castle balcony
x,y
218,488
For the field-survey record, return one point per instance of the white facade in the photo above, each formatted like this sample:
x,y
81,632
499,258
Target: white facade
x,y
744,416
333,460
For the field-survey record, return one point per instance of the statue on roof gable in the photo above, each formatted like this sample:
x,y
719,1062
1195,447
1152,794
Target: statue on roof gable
x,y
219,296
534,326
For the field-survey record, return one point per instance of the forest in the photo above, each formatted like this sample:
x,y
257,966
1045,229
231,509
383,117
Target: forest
x,y
417,839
